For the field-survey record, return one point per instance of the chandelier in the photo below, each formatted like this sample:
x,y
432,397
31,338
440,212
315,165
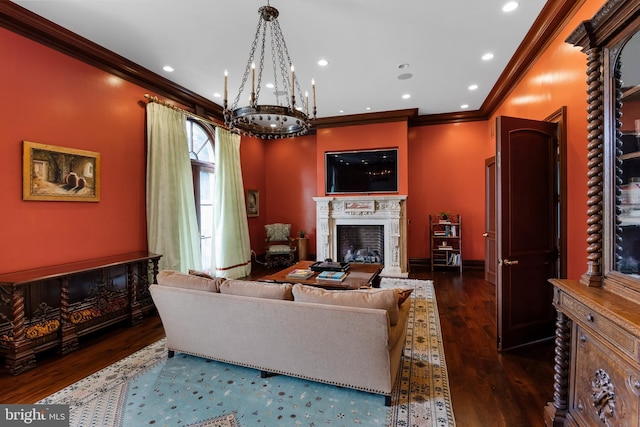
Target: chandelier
x,y
284,118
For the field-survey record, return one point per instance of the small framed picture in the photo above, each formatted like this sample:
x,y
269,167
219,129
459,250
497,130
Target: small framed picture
x,y
253,203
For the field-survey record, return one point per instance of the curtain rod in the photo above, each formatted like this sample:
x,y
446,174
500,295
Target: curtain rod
x,y
185,112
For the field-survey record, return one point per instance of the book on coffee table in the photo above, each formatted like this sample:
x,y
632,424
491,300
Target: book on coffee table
x,y
332,276
299,273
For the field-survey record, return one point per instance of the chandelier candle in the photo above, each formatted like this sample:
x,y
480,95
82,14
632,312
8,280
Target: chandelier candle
x,y
253,83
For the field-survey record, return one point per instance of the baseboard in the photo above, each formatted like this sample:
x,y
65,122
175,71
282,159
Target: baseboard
x,y
473,264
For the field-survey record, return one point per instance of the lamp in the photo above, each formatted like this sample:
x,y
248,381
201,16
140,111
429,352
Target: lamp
x,y
284,119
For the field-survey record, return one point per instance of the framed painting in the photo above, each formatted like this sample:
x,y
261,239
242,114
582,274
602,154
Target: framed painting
x,y
59,174
253,202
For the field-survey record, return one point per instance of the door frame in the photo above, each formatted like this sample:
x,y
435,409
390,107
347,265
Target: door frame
x,y
560,118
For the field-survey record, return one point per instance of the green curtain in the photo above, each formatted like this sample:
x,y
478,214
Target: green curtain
x,y
232,249
172,227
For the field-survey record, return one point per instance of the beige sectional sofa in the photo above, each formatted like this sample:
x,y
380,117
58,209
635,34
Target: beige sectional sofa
x,y
346,338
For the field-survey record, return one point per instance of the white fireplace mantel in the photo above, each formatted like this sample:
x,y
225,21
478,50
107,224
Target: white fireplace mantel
x,y
385,210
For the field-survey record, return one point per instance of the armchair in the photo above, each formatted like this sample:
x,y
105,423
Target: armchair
x,y
280,248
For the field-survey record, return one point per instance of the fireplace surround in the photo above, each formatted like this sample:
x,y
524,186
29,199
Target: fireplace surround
x,y
385,210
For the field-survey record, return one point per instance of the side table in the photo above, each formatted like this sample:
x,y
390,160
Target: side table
x,y
303,248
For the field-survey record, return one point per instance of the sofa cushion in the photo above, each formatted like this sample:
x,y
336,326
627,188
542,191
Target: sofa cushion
x,y
279,249
188,281
247,288
384,299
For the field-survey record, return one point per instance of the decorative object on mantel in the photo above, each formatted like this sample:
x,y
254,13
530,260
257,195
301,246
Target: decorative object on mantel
x,y
285,119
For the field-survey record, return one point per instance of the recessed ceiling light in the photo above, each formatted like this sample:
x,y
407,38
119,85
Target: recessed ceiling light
x,y
323,62
217,95
487,56
341,111
473,87
401,66
405,76
368,108
464,106
269,85
406,96
168,68
510,6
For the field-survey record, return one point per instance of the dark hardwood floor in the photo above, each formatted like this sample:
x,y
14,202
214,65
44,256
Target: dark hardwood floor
x,y
488,388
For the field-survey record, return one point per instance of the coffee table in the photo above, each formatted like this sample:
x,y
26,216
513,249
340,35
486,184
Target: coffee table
x,y
359,275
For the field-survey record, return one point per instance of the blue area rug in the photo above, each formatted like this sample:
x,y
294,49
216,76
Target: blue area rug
x,y
147,389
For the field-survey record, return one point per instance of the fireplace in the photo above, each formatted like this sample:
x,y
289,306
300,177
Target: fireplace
x,y
360,243
358,217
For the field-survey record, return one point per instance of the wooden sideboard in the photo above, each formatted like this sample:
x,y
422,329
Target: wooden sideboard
x,y
51,307
597,357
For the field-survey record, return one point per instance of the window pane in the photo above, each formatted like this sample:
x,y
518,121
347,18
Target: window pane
x,y
206,188
201,144
205,248
201,149
207,220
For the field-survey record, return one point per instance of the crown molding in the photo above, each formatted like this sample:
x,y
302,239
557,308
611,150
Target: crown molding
x,y
553,17
366,118
26,23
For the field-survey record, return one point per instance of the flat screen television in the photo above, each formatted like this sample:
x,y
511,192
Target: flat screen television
x,y
363,171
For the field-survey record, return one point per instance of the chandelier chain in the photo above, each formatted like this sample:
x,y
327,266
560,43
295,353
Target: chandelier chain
x,y
274,49
252,52
285,51
261,62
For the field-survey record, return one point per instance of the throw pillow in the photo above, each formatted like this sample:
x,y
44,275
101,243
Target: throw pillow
x,y
402,294
247,288
187,281
201,274
384,299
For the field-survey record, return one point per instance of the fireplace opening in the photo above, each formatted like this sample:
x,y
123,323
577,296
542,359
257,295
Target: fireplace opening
x,y
361,243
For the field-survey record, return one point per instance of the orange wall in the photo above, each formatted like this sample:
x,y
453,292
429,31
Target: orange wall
x,y
446,173
53,99
252,152
290,185
558,79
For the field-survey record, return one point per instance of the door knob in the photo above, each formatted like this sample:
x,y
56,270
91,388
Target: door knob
x,y
510,262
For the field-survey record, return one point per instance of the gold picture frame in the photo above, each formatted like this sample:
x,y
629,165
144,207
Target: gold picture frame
x,y
54,173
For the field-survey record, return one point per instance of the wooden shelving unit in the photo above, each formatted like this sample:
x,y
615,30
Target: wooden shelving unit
x,y
445,241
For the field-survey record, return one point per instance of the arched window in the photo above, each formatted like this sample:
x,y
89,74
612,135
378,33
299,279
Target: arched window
x,y
200,140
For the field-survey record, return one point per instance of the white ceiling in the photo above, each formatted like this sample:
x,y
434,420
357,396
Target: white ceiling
x,y
363,40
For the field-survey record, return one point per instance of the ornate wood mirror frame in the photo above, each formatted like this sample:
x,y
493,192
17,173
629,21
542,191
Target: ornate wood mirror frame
x,y
602,39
